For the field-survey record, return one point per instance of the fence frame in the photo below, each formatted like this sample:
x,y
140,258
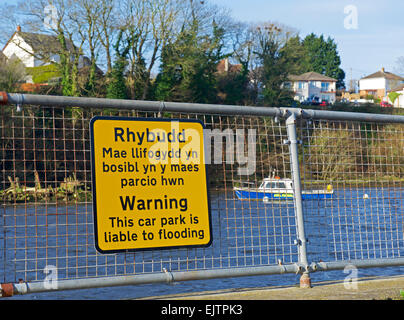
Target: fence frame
x,y
291,115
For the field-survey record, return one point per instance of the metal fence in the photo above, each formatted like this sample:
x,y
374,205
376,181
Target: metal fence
x,y
46,224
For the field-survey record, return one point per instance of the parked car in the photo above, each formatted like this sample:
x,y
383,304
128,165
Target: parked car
x,y
386,104
315,102
306,103
323,104
311,102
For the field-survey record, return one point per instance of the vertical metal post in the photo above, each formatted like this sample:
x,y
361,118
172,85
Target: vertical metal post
x,y
294,161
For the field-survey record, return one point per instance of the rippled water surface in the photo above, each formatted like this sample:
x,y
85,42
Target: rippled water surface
x,y
355,224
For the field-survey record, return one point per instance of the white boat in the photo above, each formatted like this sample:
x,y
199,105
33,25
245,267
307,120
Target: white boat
x,y
279,189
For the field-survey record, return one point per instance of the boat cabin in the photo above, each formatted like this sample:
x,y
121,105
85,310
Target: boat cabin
x,y
270,183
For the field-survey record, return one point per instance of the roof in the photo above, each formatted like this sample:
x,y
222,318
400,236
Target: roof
x,y
311,76
225,66
384,74
398,88
41,42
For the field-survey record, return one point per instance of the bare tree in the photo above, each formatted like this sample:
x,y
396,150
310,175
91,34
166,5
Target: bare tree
x,y
84,15
107,24
151,24
399,68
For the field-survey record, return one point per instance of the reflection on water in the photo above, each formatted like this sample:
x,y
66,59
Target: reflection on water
x,y
349,226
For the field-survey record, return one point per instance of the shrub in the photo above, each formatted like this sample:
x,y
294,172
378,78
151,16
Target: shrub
x,y
43,74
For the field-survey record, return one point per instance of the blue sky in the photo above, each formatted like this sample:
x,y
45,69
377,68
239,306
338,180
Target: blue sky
x,y
377,42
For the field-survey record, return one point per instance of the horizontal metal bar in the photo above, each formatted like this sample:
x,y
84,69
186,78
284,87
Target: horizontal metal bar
x,y
154,106
159,106
367,263
74,284
350,116
88,283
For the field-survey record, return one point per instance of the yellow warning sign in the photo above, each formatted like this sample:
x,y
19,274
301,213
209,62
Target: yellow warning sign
x,y
150,188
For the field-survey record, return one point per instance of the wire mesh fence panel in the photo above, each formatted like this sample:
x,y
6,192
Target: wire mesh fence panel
x,y
364,163
47,215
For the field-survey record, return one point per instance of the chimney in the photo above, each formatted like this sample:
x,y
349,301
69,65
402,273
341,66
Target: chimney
x,y
18,28
383,69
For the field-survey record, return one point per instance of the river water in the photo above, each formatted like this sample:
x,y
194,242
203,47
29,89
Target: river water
x,y
364,223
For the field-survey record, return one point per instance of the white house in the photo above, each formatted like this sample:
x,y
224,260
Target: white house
x,y
379,84
35,49
312,86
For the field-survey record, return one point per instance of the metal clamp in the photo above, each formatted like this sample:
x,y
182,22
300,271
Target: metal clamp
x,y
288,142
281,266
169,275
299,269
161,109
19,101
299,242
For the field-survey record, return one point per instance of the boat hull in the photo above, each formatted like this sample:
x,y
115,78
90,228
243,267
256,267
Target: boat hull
x,y
268,195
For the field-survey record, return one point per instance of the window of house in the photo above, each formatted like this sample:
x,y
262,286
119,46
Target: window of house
x,y
301,85
325,86
288,85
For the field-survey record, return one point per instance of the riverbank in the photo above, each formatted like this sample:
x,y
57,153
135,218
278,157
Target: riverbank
x,y
364,289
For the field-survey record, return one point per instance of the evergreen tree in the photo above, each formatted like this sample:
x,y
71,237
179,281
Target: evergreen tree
x,y
187,71
275,57
233,86
296,57
117,88
323,57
